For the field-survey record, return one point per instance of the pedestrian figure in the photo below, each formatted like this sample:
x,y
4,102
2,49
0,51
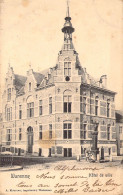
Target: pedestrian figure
x,y
87,156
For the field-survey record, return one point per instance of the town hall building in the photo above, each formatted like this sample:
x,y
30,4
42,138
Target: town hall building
x,y
60,112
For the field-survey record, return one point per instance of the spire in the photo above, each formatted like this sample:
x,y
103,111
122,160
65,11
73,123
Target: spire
x,y
67,15
67,28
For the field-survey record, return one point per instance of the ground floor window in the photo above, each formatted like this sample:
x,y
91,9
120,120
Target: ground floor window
x,y
40,151
67,152
49,152
83,150
109,151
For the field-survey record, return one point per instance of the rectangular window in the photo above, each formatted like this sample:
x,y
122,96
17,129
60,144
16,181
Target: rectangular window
x,y
40,107
30,86
67,152
83,132
40,132
67,68
30,109
20,111
120,130
50,105
67,132
20,134
108,109
83,104
108,133
96,107
50,131
83,150
9,114
9,94
9,136
67,103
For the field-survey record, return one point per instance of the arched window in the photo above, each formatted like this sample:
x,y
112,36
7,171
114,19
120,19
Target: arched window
x,y
67,99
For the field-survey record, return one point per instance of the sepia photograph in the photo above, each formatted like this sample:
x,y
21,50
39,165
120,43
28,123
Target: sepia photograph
x,y
61,97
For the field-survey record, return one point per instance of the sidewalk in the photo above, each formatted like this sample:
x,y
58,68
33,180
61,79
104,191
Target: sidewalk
x,y
10,168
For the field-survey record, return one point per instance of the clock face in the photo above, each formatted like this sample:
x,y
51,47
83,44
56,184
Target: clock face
x,y
67,78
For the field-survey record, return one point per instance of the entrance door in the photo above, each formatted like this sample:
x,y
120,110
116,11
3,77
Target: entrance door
x,y
102,153
40,151
69,152
30,139
109,151
65,152
49,152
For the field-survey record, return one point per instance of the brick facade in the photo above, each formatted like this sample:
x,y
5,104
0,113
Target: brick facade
x,y
55,112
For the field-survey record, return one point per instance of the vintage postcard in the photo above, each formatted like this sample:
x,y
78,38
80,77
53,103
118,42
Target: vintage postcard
x,y
61,100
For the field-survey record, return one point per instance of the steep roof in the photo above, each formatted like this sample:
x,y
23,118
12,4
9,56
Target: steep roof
x,y
19,81
38,76
119,116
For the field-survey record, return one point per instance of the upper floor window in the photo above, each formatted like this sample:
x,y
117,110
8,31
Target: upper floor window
x,y
40,107
9,135
67,68
20,134
83,132
67,103
20,111
40,132
108,109
50,105
50,131
108,133
30,86
9,94
120,129
30,109
96,107
83,104
67,131
9,114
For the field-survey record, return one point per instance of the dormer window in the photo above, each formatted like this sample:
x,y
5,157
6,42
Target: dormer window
x,y
9,94
67,68
30,86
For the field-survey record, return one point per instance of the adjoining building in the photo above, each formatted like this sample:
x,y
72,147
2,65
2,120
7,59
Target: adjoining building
x,y
119,131
57,111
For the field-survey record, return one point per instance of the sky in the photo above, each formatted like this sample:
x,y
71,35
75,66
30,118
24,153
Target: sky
x,y
31,35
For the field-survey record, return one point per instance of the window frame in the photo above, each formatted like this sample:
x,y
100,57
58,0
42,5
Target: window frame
x,y
40,132
20,111
40,107
50,105
108,133
20,134
67,105
30,109
67,131
67,68
50,131
9,94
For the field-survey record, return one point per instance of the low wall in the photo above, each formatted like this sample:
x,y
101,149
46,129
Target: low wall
x,y
21,160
